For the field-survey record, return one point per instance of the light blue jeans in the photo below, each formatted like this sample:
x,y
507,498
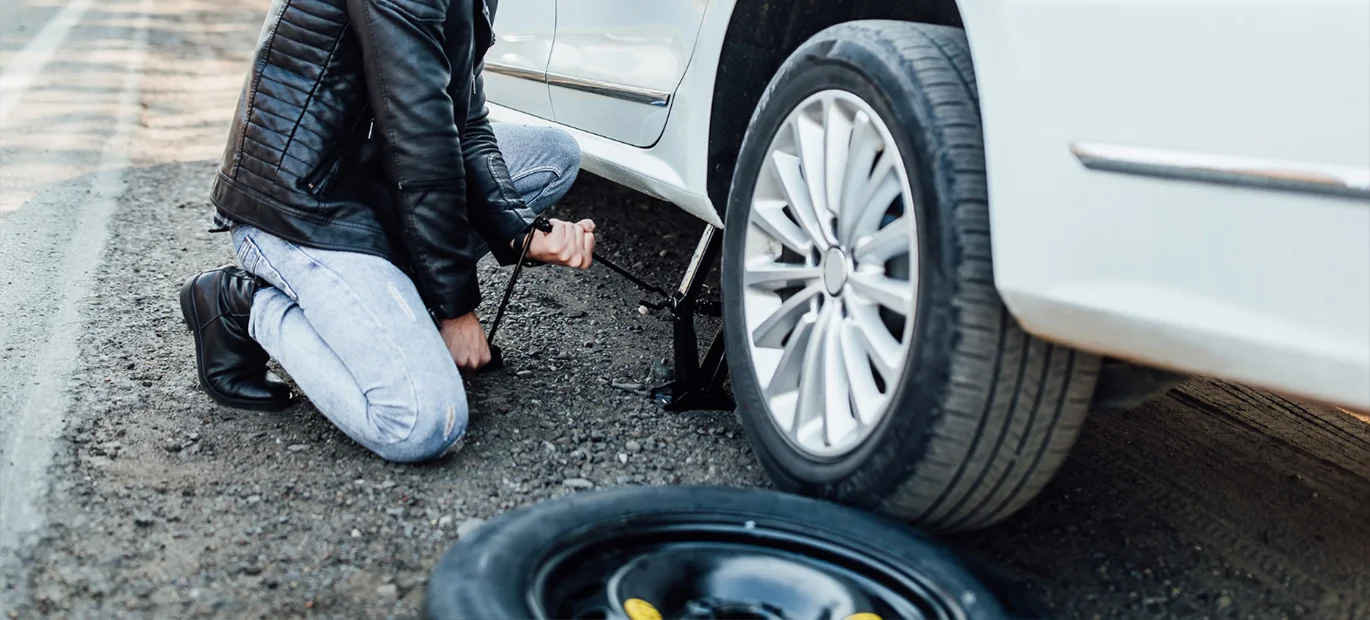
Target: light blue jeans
x,y
352,332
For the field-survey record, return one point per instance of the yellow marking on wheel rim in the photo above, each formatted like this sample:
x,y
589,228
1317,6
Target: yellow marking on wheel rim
x,y
639,609
863,615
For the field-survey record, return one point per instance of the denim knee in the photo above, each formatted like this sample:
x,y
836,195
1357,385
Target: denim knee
x,y
562,154
439,420
564,150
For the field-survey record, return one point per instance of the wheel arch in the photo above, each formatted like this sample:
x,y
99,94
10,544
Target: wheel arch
x,y
761,34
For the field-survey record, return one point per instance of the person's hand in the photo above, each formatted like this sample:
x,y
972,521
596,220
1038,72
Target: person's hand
x,y
465,341
569,245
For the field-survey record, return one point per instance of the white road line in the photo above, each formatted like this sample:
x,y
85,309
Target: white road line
x,y
29,62
23,475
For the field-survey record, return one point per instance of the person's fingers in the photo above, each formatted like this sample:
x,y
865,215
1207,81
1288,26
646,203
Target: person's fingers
x,y
583,245
569,244
550,237
583,248
574,251
571,252
559,236
568,247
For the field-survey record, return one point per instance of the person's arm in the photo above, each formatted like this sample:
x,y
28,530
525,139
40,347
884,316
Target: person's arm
x,y
407,75
496,209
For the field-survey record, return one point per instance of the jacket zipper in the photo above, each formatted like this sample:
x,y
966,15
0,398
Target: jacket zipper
x,y
489,25
319,180
418,186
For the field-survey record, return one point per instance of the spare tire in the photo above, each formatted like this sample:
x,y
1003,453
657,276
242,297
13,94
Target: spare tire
x,y
640,553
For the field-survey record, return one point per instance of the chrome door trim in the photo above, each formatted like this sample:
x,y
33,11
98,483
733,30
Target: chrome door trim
x,y
659,98
1252,172
522,73
622,92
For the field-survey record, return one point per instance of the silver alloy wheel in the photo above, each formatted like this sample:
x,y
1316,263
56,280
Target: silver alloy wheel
x,y
830,273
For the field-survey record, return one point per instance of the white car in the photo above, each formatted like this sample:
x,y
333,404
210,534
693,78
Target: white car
x,y
942,221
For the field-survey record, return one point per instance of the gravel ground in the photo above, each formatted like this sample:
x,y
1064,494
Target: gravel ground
x,y
1214,501
172,504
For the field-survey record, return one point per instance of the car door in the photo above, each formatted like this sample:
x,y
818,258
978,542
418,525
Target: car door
x,y
516,66
616,64
1185,183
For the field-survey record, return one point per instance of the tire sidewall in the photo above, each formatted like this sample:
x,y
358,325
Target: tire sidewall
x,y
887,457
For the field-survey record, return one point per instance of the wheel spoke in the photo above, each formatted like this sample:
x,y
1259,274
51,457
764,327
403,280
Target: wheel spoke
x,y
883,186
895,239
866,395
864,147
771,332
770,217
808,415
812,138
838,136
838,420
786,167
767,274
897,295
791,365
875,339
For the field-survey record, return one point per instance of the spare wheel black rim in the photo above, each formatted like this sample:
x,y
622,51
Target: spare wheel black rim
x,y
694,571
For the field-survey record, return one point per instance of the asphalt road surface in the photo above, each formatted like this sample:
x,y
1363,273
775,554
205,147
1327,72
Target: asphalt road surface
x,y
125,492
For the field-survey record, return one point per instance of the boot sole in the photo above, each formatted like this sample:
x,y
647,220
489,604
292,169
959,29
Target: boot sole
x,y
188,311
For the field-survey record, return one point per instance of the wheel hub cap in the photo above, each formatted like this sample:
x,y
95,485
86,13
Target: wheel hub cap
x,y
830,274
835,271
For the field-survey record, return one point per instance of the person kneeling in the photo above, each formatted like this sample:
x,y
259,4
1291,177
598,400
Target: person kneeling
x,y
358,213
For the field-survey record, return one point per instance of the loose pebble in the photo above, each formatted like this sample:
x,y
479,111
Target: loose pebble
x,y
469,525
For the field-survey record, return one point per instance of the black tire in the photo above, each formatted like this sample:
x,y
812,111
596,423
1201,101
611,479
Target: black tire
x,y
985,413
493,572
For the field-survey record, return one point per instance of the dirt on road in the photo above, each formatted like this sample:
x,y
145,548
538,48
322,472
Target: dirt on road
x,y
1213,501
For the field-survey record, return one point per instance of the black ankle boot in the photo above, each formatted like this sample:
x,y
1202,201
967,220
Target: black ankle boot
x,y
232,366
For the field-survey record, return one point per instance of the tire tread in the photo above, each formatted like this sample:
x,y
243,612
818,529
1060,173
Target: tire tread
x,y
1031,409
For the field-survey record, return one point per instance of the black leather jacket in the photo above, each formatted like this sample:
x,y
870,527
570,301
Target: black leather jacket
x,y
362,127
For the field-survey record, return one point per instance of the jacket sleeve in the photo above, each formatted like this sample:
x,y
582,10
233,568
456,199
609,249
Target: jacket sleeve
x,y
407,76
495,207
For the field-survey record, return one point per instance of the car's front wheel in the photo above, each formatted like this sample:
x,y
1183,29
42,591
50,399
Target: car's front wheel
x,y
872,360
